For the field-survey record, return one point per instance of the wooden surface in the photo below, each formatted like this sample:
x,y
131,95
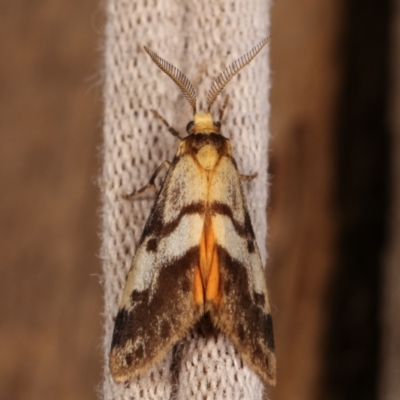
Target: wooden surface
x,y
306,74
50,121
390,382
329,210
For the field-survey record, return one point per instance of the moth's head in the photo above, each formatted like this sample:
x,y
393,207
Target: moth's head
x,y
203,123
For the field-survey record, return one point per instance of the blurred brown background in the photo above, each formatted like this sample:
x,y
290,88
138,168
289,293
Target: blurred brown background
x,y
50,130
329,212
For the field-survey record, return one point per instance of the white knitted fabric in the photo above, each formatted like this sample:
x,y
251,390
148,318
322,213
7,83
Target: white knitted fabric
x,y
200,38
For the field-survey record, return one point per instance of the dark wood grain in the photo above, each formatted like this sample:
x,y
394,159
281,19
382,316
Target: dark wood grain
x,y
306,75
50,295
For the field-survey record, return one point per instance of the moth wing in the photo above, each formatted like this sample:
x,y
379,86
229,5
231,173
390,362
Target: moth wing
x,y
243,313
157,307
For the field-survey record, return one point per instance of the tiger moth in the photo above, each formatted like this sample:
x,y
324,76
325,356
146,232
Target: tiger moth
x,y
197,258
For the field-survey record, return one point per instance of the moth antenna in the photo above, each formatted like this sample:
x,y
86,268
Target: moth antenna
x,y
228,73
177,76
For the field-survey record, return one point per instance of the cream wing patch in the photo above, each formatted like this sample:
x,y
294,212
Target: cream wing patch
x,y
232,225
181,218
225,188
185,187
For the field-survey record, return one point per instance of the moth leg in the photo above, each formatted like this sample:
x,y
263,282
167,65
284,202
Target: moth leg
x,y
223,108
151,184
248,177
171,130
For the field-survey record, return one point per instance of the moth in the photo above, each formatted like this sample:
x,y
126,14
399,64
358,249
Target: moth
x,y
197,256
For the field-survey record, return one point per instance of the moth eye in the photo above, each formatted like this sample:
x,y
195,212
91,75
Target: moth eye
x,y
189,126
217,125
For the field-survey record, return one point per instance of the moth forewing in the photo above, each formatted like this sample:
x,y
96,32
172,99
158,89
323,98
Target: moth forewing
x,y
197,257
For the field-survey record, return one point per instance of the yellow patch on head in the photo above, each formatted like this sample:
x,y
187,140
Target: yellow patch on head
x,y
203,123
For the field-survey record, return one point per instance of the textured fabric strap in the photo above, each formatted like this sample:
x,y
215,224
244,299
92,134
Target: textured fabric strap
x,y
200,38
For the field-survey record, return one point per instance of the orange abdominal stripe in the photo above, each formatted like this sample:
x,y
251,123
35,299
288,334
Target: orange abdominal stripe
x,y
206,279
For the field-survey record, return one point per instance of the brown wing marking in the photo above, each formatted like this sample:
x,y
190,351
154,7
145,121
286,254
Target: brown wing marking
x,y
243,313
245,318
156,321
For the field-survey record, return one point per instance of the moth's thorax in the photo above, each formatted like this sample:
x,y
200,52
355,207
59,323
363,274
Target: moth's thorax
x,y
208,157
205,142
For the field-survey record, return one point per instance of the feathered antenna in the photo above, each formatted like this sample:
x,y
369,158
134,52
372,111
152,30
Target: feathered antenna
x,y
222,80
177,76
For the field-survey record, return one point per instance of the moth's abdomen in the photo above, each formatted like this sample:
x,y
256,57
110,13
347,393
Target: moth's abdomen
x,y
207,283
